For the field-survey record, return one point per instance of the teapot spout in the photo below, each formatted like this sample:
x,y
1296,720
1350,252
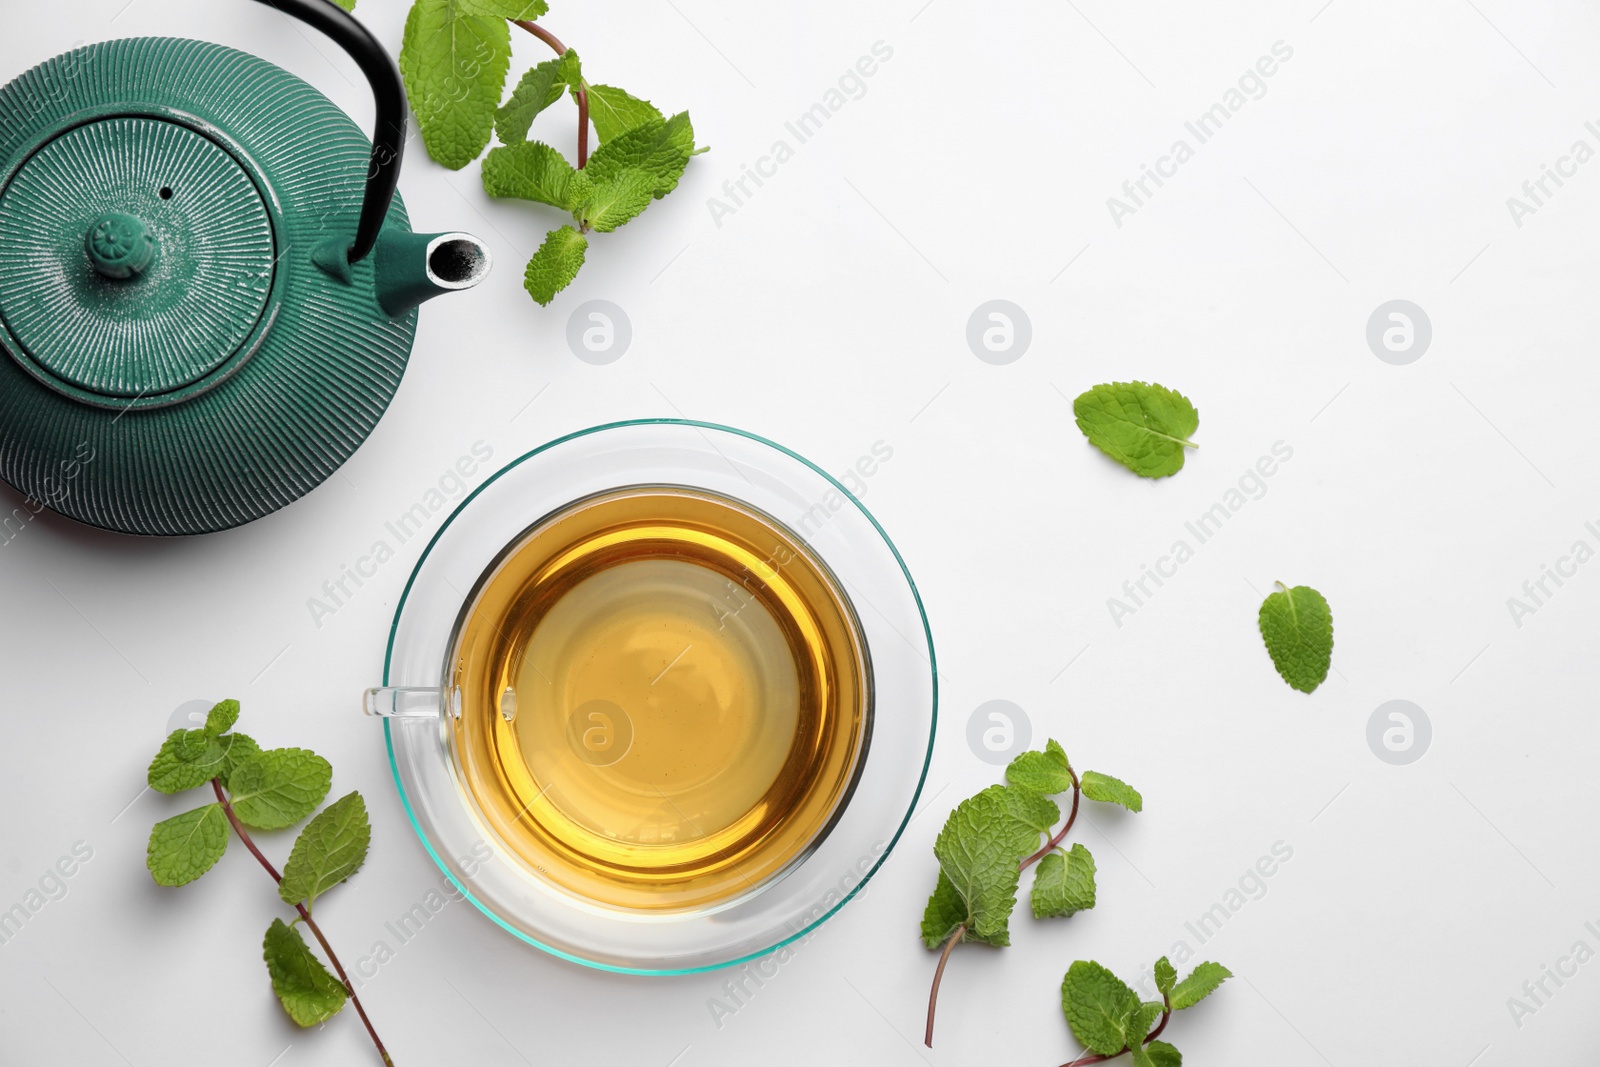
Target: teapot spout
x,y
412,267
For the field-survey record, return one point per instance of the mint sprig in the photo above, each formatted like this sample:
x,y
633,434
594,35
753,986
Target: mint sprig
x,y
1108,1018
991,838
455,57
266,790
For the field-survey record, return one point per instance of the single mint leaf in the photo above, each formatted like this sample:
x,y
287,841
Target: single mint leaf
x,y
1044,772
1298,629
659,149
1166,976
305,988
978,850
538,89
236,748
531,170
1064,883
279,787
1109,790
614,112
1161,1054
188,758
1201,983
330,849
186,846
454,64
613,200
220,719
1142,426
945,911
1033,811
555,264
1099,1007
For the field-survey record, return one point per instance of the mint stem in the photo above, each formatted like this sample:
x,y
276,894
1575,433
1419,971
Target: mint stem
x,y
1072,817
238,828
938,976
1084,1061
583,90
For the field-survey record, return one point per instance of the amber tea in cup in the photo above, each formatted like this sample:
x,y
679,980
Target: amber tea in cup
x,y
665,698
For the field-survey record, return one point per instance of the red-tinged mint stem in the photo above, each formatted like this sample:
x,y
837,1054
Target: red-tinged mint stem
x,y
305,915
583,90
955,938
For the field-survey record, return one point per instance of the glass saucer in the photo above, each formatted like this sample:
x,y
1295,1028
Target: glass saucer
x,y
813,508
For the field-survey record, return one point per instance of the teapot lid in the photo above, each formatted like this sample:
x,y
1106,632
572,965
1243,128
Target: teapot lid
x,y
138,260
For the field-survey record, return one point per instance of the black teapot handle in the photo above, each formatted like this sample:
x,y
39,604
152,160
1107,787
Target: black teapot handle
x,y
389,129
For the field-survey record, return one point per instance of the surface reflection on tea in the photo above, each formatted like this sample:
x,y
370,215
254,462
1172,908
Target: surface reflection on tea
x,y
690,698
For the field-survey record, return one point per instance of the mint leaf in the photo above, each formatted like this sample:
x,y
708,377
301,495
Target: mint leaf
x,y
1166,976
659,149
236,748
1109,790
945,911
1044,772
611,201
222,716
1064,883
330,849
978,851
1031,810
188,758
1201,983
615,112
1298,629
186,846
1161,1054
454,56
1099,1007
538,89
1142,426
305,988
1141,1022
279,787
555,264
531,170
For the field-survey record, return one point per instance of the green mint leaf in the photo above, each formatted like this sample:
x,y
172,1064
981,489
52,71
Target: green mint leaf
x,y
555,264
220,719
1166,976
236,748
1064,883
571,72
945,911
1161,1054
330,849
659,149
1109,790
1201,983
503,9
1298,629
186,846
454,64
305,988
538,89
611,201
978,851
614,112
531,170
1141,1022
1142,426
1099,1007
279,787
188,758
1030,809
1044,772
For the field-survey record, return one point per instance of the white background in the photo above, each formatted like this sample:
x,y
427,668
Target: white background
x,y
829,312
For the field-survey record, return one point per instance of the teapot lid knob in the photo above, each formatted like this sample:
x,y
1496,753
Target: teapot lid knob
x,y
119,245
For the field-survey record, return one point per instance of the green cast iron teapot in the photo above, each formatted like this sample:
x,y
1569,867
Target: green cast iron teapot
x,y
208,284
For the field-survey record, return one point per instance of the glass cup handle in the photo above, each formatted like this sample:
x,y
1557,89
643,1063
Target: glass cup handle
x,y
412,702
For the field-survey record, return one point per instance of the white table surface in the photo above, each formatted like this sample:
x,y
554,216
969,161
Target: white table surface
x,y
829,312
